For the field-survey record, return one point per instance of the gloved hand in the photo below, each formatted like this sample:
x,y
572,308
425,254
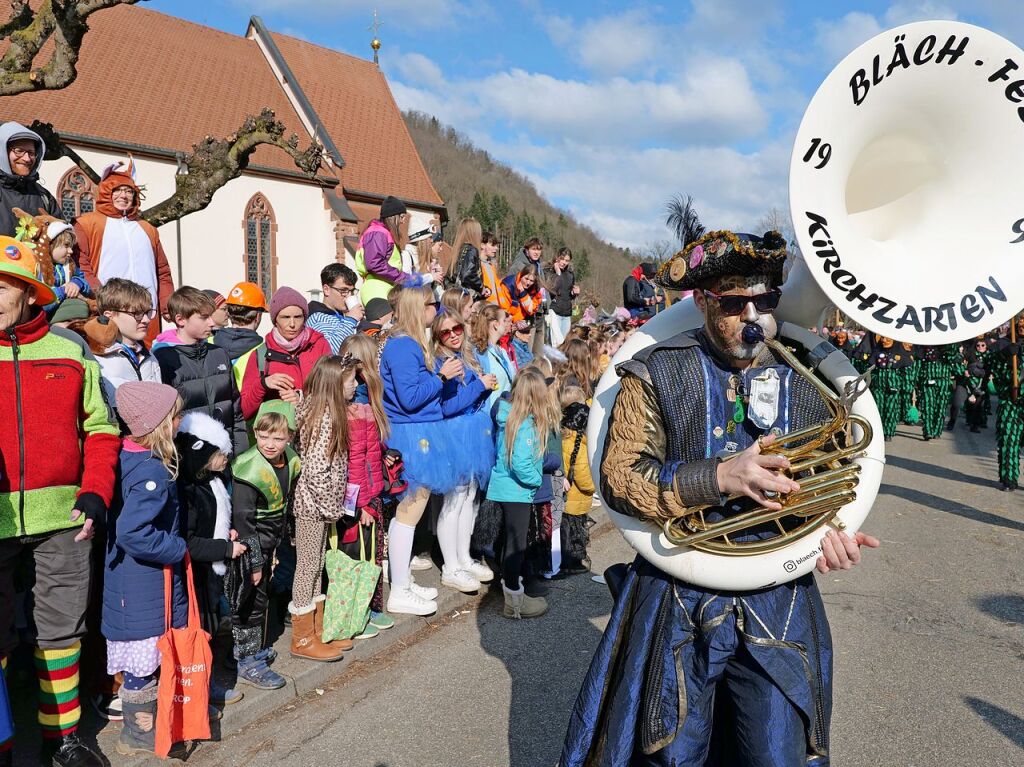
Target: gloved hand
x,y
93,508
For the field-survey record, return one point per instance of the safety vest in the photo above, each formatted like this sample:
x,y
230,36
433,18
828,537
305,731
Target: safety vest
x,y
255,470
489,272
373,286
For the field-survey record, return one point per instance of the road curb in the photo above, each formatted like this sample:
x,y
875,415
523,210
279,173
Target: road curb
x,y
305,677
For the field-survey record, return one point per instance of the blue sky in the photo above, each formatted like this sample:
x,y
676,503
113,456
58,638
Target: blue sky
x,y
612,107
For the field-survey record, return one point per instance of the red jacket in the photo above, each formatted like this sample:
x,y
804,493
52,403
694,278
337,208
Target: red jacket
x,y
297,365
57,435
365,461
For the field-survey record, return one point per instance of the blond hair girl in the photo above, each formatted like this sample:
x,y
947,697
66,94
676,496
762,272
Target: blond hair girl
x,y
525,422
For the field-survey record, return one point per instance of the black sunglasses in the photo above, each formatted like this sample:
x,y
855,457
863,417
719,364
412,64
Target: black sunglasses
x,y
731,305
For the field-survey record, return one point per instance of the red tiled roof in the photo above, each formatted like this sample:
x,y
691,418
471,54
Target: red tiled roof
x,y
353,100
159,81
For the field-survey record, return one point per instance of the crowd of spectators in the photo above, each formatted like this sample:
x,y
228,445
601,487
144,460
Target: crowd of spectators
x,y
156,429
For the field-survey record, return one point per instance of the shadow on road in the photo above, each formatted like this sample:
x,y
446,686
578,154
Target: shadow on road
x,y
1008,608
942,472
1009,725
930,501
546,658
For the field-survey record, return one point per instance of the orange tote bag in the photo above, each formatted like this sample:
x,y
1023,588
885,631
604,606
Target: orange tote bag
x,y
186,662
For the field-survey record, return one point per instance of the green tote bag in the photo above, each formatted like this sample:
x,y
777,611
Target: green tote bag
x,y
350,588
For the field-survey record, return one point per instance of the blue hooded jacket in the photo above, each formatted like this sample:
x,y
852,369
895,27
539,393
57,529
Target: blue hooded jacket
x,y
143,535
516,482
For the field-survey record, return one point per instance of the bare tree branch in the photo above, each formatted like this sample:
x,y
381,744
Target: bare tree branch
x,y
56,148
21,17
66,21
214,162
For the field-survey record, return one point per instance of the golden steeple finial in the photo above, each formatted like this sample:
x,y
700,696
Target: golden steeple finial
x,y
375,43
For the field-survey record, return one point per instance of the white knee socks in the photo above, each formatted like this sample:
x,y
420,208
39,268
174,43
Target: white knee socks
x,y
455,526
467,520
400,553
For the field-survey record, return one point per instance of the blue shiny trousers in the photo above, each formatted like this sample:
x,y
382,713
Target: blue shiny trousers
x,y
685,677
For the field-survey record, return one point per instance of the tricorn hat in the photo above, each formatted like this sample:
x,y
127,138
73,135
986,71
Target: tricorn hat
x,y
723,253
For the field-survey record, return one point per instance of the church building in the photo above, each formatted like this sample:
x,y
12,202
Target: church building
x,y
152,85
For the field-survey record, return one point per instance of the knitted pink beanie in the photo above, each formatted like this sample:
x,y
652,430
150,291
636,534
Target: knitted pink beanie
x,y
143,405
284,297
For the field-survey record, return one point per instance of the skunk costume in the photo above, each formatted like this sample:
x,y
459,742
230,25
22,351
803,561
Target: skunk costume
x,y
205,509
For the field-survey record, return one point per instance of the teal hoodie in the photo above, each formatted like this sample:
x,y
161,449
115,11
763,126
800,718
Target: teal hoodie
x,y
518,482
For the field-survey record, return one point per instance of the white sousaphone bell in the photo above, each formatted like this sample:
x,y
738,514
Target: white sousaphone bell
x,y
907,197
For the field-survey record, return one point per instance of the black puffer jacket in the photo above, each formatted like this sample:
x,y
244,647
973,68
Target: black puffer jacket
x,y
23,192
201,372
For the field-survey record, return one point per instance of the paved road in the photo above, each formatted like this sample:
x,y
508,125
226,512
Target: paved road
x,y
930,649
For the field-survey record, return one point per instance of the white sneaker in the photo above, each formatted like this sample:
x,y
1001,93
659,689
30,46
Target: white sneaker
x,y
479,570
460,580
409,602
421,563
423,592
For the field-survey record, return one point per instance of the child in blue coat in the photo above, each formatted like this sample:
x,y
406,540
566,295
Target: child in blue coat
x,y
524,425
143,535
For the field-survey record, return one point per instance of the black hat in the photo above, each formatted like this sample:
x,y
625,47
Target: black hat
x,y
723,253
391,206
375,309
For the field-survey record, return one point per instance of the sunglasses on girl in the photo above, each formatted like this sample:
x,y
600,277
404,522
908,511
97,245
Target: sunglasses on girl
x,y
454,330
731,305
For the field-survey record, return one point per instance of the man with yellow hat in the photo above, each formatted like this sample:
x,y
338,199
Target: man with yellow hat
x,y
60,448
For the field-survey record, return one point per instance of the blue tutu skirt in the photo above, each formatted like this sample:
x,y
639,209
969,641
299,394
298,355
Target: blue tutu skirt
x,y
473,437
427,451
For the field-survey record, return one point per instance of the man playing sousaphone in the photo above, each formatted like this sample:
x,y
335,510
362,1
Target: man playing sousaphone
x,y
685,675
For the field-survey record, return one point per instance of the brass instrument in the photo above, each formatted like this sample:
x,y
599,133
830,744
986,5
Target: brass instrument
x,y
821,460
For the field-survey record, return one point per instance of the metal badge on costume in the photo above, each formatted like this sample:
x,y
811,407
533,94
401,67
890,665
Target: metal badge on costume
x,y
905,196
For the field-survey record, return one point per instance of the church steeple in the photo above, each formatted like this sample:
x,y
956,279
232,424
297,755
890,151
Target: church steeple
x,y
375,43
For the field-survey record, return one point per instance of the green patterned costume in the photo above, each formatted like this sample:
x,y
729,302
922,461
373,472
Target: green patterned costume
x,y
935,369
908,383
1009,414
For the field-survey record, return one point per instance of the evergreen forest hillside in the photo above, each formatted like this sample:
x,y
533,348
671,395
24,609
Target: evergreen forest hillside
x,y
472,183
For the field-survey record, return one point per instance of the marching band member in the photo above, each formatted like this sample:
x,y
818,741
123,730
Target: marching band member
x,y
685,675
1010,412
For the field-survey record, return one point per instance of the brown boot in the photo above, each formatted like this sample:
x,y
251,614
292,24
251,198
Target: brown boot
x,y
318,625
305,643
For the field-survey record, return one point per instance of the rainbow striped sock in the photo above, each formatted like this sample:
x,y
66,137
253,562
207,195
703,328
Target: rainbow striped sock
x,y
8,744
58,690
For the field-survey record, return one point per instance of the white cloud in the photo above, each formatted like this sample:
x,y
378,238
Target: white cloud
x,y
417,69
839,37
622,194
616,45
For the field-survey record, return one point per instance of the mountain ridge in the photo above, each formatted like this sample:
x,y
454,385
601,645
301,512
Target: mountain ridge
x,y
473,183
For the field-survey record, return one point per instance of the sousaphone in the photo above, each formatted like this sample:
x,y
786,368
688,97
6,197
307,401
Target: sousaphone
x,y
908,203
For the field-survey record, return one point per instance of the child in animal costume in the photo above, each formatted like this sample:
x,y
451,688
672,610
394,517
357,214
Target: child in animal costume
x,y
53,242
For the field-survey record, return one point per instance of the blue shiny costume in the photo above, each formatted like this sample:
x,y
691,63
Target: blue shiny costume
x,y
684,676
